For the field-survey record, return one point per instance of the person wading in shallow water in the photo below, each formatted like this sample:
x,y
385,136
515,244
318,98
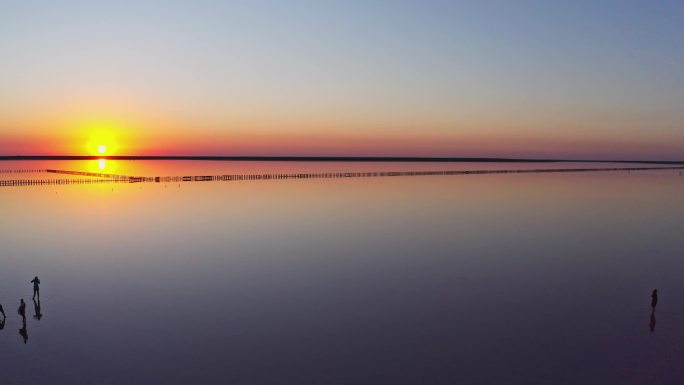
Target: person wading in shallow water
x,y
654,299
36,287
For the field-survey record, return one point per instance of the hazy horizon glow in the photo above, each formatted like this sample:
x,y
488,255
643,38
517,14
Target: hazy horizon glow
x,y
493,78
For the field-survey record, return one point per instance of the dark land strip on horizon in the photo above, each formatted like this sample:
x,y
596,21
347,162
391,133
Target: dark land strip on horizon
x,y
94,178
326,159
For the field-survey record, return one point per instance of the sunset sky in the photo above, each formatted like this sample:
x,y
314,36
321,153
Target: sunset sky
x,y
570,79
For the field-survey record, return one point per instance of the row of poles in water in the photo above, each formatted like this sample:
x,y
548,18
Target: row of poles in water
x,y
114,178
23,171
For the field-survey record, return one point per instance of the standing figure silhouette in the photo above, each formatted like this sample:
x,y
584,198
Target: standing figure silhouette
x,y
36,288
2,323
22,308
654,298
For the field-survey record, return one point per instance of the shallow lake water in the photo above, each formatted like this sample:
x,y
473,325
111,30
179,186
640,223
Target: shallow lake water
x,y
446,279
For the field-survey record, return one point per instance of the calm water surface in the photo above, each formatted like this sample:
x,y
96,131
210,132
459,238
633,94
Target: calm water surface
x,y
473,279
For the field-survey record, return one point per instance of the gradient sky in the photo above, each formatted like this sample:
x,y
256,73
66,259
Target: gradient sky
x,y
580,79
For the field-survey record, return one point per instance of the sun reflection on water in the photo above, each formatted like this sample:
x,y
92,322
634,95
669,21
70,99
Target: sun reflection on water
x,y
101,165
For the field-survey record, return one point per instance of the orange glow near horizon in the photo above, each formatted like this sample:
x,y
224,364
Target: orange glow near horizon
x,y
103,133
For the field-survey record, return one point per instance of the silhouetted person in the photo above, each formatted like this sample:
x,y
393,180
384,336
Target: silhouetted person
x,y
36,309
36,288
22,308
2,311
653,321
23,332
2,322
654,298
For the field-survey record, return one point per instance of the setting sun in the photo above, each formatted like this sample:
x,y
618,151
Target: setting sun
x,y
102,139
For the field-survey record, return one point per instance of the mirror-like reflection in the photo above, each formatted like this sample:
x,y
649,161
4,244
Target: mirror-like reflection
x,y
21,310
652,321
406,280
23,332
654,302
36,309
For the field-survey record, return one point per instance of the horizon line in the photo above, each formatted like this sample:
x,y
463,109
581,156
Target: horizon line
x,y
253,158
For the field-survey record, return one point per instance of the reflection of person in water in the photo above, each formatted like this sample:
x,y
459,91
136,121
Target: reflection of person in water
x,y
654,302
36,288
23,332
36,309
652,323
2,322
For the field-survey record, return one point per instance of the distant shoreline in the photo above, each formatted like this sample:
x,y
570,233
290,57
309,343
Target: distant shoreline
x,y
328,159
